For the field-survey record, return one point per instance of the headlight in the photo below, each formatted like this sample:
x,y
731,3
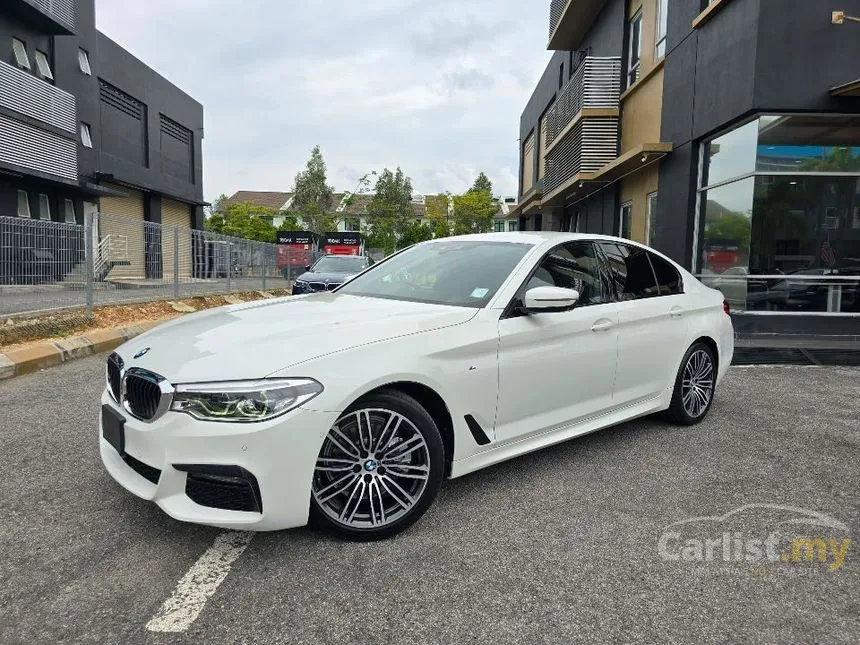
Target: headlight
x,y
301,283
243,401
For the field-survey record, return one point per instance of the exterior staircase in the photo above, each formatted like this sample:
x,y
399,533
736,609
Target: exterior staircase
x,y
111,251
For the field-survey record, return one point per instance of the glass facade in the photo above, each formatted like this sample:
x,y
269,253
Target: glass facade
x,y
779,215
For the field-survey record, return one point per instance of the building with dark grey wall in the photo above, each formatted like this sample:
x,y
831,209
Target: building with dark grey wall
x,y
86,126
722,132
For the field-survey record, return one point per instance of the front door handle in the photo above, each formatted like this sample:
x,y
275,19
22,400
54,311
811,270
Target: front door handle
x,y
602,325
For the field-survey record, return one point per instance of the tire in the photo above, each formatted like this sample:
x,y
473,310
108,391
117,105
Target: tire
x,y
697,374
361,491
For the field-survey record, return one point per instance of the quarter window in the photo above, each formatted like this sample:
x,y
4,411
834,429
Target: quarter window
x,y
19,49
69,206
668,278
23,204
44,207
630,271
84,62
43,65
86,135
572,266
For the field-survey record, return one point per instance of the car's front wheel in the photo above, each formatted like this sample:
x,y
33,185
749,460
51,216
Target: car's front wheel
x,y
379,468
694,386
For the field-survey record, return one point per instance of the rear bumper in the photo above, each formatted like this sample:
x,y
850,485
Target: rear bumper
x,y
280,455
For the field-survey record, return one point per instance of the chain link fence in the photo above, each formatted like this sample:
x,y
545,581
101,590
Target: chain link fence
x,y
54,273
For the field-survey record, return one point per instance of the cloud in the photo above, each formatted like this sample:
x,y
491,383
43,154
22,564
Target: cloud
x,y
434,86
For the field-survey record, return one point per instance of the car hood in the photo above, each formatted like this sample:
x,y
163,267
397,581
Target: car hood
x,y
325,277
255,339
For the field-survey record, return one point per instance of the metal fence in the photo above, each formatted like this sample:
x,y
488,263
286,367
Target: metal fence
x,y
50,268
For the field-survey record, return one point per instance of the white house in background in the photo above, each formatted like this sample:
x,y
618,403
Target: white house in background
x,y
352,209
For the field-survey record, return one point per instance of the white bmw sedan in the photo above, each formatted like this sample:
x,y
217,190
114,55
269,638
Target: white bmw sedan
x,y
350,407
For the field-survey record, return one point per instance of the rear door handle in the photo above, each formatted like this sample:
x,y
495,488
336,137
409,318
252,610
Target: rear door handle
x,y
602,325
676,312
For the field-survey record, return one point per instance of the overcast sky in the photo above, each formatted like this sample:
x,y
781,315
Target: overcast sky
x,y
435,86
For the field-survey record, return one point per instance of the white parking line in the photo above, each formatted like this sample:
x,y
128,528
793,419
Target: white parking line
x,y
199,583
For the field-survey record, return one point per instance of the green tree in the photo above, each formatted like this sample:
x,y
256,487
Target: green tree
x,y
313,196
473,212
390,211
839,160
244,220
732,226
482,185
436,212
415,232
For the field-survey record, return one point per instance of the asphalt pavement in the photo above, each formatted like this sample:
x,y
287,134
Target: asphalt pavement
x,y
559,546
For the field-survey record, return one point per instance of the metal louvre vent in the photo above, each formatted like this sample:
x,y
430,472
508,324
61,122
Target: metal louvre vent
x,y
123,102
34,149
142,395
178,132
24,93
591,144
62,9
556,9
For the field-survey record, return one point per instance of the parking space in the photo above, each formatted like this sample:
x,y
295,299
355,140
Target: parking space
x,y
557,546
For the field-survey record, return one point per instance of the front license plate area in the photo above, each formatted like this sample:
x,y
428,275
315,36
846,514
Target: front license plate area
x,y
113,428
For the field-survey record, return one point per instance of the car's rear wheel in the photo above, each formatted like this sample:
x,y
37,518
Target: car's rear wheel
x,y
694,386
379,468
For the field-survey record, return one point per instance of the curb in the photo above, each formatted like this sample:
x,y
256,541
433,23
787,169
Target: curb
x,y
48,353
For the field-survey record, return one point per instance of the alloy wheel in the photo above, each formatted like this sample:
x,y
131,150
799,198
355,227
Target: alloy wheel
x,y
697,384
372,469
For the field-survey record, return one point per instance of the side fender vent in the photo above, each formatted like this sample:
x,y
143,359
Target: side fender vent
x,y
477,431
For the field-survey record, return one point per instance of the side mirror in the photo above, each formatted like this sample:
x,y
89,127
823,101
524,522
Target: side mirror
x,y
548,299
307,267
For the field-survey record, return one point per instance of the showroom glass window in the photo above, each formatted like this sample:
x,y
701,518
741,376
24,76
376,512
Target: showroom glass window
x,y
780,196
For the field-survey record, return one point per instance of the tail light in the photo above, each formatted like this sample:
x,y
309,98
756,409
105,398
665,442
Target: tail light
x,y
726,308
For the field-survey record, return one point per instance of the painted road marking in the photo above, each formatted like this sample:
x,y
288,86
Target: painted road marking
x,y
199,583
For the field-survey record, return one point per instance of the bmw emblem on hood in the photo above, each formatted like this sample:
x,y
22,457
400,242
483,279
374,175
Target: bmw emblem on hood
x,y
142,352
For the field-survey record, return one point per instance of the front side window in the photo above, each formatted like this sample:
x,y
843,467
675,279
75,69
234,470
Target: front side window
x,y
668,278
19,51
634,50
630,271
451,272
43,65
44,207
572,266
662,23
23,204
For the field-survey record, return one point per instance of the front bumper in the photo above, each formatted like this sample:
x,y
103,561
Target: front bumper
x,y
280,454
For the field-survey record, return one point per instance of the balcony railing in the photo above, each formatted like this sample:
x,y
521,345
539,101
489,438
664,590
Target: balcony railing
x,y
33,97
61,10
579,141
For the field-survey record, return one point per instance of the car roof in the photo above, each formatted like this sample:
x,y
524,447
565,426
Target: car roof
x,y
533,238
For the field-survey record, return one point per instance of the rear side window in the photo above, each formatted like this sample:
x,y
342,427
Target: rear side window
x,y
668,278
630,270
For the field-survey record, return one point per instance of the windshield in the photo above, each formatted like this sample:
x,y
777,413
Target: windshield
x,y
340,264
464,274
